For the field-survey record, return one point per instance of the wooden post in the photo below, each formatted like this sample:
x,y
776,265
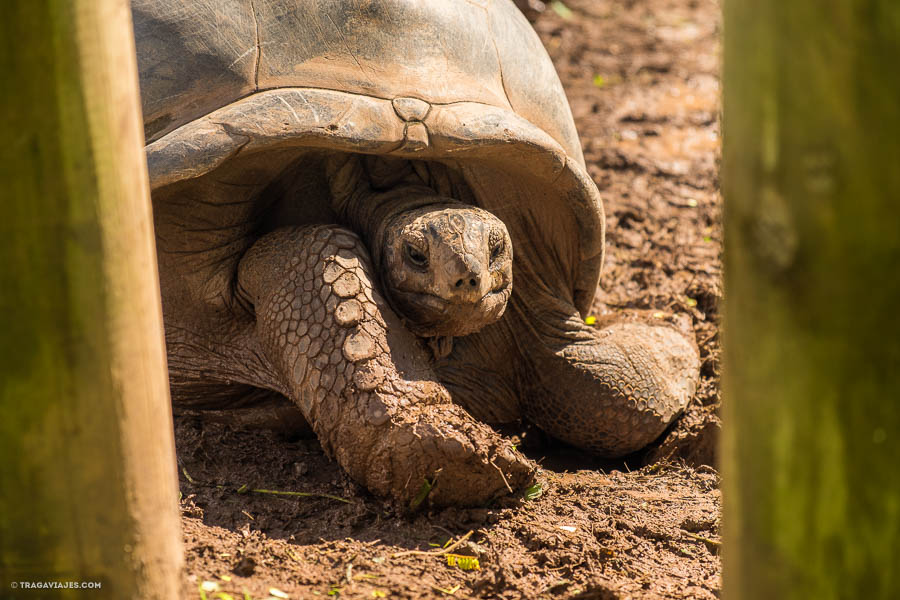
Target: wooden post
x,y
811,181
88,489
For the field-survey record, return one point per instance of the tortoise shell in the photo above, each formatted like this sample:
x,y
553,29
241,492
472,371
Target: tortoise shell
x,y
248,88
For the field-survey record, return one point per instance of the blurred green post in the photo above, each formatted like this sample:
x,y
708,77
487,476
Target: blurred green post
x,y
88,489
811,182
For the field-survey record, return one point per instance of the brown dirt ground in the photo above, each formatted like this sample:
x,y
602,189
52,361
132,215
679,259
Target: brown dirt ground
x,y
650,130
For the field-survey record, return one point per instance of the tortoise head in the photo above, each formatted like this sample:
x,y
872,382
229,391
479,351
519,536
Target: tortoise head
x,y
447,267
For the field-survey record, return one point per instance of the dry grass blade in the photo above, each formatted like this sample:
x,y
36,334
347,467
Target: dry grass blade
x,y
446,550
301,495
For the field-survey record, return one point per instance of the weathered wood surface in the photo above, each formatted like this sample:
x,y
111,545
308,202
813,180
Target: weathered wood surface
x,y
88,491
812,327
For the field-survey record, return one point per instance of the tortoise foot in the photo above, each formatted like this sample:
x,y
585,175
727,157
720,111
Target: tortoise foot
x,y
615,390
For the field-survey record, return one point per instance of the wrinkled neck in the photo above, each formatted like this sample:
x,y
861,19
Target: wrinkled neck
x,y
372,214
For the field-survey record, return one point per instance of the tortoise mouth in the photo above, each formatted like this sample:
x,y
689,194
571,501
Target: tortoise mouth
x,y
430,315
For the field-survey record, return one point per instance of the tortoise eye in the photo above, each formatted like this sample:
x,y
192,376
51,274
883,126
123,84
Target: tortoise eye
x,y
496,246
496,251
416,256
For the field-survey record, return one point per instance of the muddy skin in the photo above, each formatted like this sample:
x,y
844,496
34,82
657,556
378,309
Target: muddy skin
x,y
361,379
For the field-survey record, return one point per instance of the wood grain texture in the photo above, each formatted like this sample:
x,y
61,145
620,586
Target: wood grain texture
x,y
88,485
812,439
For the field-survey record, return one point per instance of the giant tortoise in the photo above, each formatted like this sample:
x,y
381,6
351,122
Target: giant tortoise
x,y
377,211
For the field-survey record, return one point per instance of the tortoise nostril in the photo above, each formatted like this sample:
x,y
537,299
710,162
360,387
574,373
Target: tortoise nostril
x,y
473,283
459,283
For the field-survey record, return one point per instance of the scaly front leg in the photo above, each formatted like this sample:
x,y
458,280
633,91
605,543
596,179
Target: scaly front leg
x,y
361,379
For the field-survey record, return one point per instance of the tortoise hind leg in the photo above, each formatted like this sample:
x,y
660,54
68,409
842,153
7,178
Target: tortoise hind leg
x,y
360,378
611,391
